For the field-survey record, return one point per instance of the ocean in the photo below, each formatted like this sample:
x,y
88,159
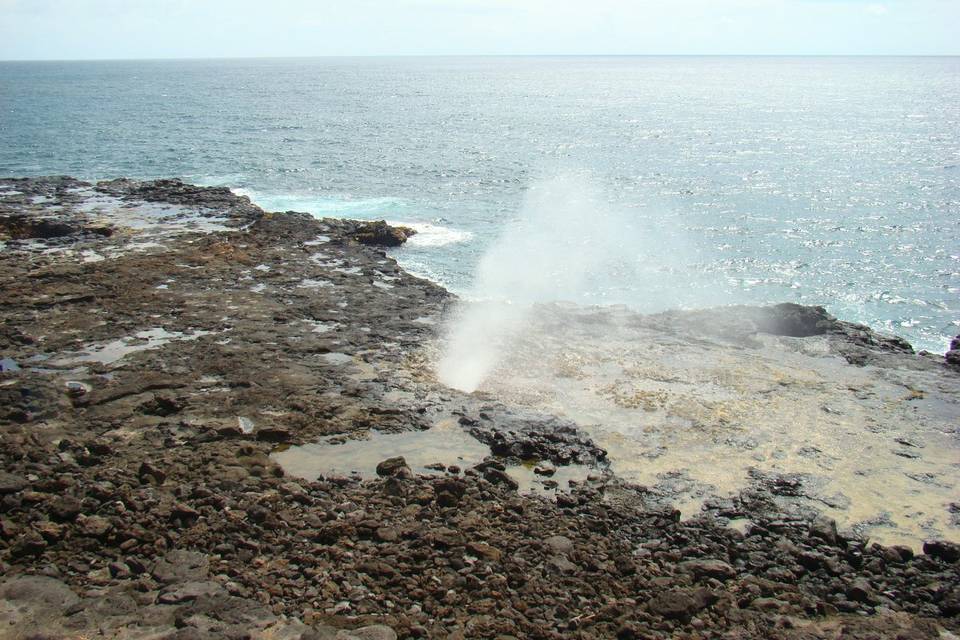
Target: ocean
x,y
688,181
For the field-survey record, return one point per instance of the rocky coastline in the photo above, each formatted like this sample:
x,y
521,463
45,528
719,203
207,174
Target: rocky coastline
x,y
162,342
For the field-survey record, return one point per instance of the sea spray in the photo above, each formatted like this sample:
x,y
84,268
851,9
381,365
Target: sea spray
x,y
565,239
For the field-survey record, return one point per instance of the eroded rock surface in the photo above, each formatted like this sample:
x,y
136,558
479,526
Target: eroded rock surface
x,y
150,372
707,408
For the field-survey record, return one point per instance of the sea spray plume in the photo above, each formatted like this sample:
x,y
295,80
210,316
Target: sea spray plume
x,y
564,238
478,336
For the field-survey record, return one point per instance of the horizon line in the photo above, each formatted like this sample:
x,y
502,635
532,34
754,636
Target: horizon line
x,y
495,55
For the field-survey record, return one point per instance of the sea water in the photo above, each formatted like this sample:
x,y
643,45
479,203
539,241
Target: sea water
x,y
832,181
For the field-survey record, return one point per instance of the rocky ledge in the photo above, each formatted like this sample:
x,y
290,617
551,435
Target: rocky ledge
x,y
162,343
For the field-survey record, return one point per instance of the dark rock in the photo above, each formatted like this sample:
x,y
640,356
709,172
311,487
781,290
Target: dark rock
x,y
681,604
946,551
184,513
10,483
30,543
119,570
950,603
860,590
708,568
824,528
483,550
162,406
449,492
150,474
100,447
789,319
559,544
545,470
381,234
769,604
561,564
498,476
387,534
524,435
274,434
95,526
23,228
65,508
392,467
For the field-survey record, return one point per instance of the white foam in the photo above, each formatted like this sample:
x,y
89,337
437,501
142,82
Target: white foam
x,y
432,235
343,206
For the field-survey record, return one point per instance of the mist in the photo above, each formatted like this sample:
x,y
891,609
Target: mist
x,y
569,243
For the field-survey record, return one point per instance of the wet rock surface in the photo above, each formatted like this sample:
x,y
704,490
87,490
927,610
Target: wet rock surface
x,y
705,408
160,365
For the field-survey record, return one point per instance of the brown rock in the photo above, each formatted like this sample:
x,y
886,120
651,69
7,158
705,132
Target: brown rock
x,y
10,483
382,234
65,508
946,551
483,550
392,466
681,604
708,568
95,526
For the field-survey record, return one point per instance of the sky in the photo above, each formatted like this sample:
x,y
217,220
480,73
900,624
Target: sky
x,y
124,29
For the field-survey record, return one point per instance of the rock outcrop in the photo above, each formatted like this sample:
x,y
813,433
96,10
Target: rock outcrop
x,y
151,372
380,233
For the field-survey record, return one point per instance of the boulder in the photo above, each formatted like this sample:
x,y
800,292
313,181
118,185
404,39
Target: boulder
x,y
393,467
824,528
10,483
380,233
681,604
946,551
559,544
708,568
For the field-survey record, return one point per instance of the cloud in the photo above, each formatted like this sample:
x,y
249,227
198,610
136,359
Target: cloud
x,y
878,9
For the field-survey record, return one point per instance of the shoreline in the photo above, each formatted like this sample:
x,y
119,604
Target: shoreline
x,y
184,334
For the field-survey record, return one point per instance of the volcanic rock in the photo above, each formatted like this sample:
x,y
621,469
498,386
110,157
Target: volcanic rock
x,y
382,234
